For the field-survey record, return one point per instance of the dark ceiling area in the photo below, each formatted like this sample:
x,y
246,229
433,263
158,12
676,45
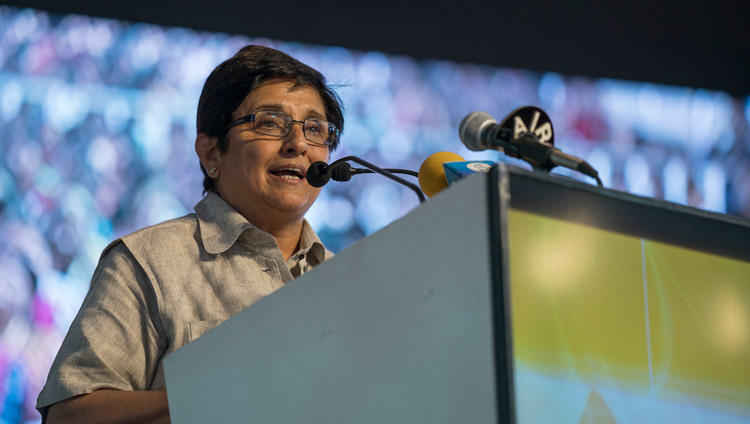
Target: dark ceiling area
x,y
689,43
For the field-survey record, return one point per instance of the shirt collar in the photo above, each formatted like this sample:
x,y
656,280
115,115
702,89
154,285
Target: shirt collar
x,y
310,242
221,225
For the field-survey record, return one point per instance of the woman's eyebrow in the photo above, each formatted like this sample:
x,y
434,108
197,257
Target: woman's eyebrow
x,y
315,114
275,107
270,106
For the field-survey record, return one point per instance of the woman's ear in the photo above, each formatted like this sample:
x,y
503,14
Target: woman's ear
x,y
207,149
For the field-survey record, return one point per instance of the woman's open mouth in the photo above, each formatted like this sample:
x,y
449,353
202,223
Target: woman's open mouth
x,y
289,173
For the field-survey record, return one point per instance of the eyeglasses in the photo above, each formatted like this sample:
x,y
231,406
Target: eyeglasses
x,y
279,124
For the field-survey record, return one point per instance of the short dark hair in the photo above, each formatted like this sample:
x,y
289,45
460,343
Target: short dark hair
x,y
232,81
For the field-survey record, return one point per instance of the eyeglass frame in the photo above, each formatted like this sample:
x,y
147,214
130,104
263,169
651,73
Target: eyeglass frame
x,y
251,118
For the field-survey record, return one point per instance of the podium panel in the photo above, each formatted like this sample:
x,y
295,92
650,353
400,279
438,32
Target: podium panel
x,y
626,309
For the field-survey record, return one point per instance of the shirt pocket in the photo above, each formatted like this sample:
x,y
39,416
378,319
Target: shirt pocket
x,y
197,328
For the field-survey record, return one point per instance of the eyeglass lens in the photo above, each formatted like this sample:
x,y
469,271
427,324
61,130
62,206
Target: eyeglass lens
x,y
279,124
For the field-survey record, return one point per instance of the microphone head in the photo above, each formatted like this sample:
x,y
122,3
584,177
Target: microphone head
x,y
432,174
470,130
317,174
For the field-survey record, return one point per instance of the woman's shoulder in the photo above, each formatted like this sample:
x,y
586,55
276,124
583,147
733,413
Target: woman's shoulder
x,y
173,229
168,234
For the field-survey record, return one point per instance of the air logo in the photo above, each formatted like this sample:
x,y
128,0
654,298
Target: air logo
x,y
530,120
543,132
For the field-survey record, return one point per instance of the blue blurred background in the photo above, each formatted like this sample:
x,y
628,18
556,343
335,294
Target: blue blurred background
x,y
98,123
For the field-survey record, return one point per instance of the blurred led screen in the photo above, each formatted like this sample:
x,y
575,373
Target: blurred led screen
x,y
611,328
98,124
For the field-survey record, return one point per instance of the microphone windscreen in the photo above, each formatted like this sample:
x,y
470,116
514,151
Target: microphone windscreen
x,y
432,174
317,174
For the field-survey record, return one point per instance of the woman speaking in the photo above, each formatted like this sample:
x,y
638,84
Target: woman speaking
x,y
263,118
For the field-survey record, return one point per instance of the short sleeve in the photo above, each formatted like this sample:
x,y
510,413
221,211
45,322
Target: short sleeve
x,y
116,340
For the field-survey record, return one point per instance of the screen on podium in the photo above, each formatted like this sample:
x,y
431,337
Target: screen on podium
x,y
613,326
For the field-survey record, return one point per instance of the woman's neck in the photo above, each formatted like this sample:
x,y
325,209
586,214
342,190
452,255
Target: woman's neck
x,y
287,234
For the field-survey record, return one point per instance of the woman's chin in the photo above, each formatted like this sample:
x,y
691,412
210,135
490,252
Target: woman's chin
x,y
292,204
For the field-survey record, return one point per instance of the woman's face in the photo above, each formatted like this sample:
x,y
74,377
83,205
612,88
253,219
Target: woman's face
x,y
263,177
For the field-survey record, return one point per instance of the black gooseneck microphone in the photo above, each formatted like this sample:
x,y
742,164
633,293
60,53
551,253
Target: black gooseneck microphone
x,y
319,173
479,131
343,172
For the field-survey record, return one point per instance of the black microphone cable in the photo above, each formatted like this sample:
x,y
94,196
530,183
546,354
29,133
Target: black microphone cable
x,y
344,171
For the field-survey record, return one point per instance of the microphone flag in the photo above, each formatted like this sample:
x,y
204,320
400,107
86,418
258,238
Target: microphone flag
x,y
455,171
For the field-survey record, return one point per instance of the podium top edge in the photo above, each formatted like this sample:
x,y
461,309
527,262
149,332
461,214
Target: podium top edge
x,y
652,202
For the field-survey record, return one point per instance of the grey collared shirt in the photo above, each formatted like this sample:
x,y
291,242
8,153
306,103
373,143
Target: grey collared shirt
x,y
161,287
